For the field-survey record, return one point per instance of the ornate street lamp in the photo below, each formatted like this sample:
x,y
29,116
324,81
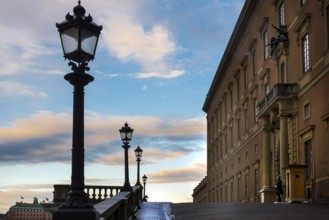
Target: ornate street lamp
x,y
79,37
138,153
144,182
126,134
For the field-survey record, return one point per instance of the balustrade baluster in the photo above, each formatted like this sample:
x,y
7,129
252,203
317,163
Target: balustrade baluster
x,y
94,193
105,192
87,191
100,194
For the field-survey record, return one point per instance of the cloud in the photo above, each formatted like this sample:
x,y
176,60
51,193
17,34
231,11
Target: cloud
x,y
47,136
13,89
186,174
172,74
150,156
11,194
153,47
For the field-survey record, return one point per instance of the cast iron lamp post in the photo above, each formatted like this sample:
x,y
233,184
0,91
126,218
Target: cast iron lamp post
x,y
126,134
144,182
79,36
138,153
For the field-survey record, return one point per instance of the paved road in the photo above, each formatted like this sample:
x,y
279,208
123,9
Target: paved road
x,y
154,211
213,211
249,211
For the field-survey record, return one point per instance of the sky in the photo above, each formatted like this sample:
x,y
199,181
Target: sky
x,y
154,64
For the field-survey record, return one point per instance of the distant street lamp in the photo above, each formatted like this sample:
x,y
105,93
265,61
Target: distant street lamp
x,y
126,134
79,36
144,182
138,153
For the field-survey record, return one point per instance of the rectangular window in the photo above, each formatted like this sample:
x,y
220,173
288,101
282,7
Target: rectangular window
x,y
282,73
246,126
247,187
217,121
238,88
221,149
306,53
220,117
225,143
281,14
327,14
225,107
221,194
238,128
231,99
231,133
255,110
245,77
256,182
254,63
267,88
256,148
307,110
217,152
226,193
239,188
232,190
309,159
265,42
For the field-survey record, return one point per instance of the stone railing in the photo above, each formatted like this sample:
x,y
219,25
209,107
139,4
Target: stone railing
x,y
109,201
96,193
123,206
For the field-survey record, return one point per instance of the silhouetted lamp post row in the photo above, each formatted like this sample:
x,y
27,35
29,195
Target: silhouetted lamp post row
x,y
138,154
79,36
144,182
126,134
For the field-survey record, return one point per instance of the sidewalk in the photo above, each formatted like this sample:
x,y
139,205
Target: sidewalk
x,y
154,211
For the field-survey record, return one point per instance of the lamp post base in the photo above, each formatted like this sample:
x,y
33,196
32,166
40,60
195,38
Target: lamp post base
x,y
127,188
76,213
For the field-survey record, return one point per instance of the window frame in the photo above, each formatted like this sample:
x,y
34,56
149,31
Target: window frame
x,y
265,44
307,110
305,49
281,13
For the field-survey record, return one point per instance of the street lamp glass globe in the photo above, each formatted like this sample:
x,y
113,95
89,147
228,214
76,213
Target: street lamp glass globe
x,y
144,178
138,152
79,35
126,133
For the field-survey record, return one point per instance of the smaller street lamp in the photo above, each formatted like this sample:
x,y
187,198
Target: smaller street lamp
x,y
138,153
144,182
126,134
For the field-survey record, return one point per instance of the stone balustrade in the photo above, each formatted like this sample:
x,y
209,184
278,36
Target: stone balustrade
x,y
109,201
96,193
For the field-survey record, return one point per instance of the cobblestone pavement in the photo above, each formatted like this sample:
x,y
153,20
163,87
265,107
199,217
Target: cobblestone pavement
x,y
154,211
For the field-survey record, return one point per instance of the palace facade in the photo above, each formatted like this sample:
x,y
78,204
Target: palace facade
x,y
28,211
268,106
